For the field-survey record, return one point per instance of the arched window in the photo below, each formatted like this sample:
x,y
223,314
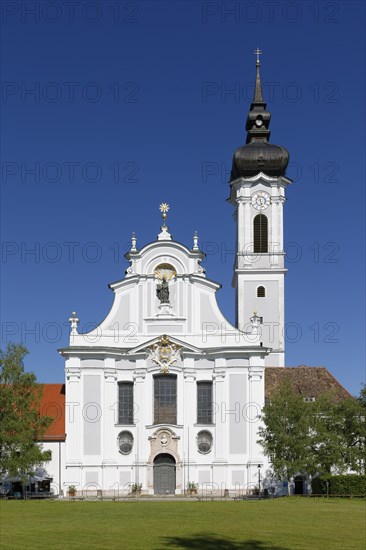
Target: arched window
x,y
260,230
261,292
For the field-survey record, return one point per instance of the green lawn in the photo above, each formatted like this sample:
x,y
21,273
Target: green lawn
x,y
279,524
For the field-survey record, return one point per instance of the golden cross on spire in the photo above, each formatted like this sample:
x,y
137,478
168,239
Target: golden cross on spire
x,y
164,207
258,52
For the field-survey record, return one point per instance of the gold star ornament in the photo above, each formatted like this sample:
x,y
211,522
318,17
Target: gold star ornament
x,y
164,207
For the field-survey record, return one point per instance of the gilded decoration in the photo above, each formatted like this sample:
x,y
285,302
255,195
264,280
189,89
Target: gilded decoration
x,y
164,353
165,271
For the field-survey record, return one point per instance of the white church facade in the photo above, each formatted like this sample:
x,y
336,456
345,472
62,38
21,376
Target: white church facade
x,y
165,392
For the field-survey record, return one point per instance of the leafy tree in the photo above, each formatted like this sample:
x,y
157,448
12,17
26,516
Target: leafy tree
x,y
285,433
20,421
326,436
362,397
313,437
339,434
353,413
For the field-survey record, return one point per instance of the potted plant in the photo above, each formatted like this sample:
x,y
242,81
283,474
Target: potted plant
x,y
136,489
192,488
71,490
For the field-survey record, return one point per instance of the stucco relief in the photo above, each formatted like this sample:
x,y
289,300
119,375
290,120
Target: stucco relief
x,y
164,353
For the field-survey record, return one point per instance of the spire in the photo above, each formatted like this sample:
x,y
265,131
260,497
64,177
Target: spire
x,y
258,97
258,117
258,155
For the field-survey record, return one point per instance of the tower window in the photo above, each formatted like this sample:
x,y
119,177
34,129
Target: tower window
x,y
165,399
261,292
125,403
204,402
260,227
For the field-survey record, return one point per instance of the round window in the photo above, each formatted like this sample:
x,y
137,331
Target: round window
x,y
204,442
125,442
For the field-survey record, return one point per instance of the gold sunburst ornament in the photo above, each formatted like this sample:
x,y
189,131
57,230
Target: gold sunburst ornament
x,y
164,208
166,271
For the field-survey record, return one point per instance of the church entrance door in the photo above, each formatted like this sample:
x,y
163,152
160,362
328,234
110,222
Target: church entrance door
x,y
164,475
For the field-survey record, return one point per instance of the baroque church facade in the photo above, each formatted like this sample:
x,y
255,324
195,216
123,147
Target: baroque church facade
x,y
165,392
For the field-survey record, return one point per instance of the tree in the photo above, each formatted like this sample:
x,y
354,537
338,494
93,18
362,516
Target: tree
x,y
362,397
315,437
326,435
339,434
353,411
21,423
285,433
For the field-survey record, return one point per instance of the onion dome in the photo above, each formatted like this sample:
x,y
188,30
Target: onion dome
x,y
258,155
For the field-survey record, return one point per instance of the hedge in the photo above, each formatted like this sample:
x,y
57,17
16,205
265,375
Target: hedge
x,y
345,485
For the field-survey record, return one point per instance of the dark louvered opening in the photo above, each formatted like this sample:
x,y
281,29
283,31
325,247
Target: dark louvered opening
x,y
261,292
260,233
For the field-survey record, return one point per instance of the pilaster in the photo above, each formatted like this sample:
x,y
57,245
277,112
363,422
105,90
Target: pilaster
x,y
219,378
110,408
73,410
256,401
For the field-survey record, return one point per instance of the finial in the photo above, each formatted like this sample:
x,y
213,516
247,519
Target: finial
x,y
74,321
164,207
164,235
195,241
258,96
133,243
258,52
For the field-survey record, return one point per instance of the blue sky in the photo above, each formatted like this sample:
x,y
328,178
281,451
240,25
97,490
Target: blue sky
x,y
135,103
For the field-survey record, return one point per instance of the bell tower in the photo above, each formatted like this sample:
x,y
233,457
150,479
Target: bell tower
x,y
257,191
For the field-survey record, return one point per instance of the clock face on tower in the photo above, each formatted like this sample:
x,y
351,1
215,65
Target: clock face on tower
x,y
261,200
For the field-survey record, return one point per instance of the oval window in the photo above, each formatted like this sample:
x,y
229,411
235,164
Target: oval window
x,y
204,442
125,442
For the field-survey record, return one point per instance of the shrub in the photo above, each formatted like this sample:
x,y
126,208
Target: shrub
x,y
344,485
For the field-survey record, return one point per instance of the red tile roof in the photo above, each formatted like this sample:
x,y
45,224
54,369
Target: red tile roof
x,y
53,404
307,381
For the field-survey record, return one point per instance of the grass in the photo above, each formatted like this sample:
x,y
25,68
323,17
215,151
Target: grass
x,y
280,524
